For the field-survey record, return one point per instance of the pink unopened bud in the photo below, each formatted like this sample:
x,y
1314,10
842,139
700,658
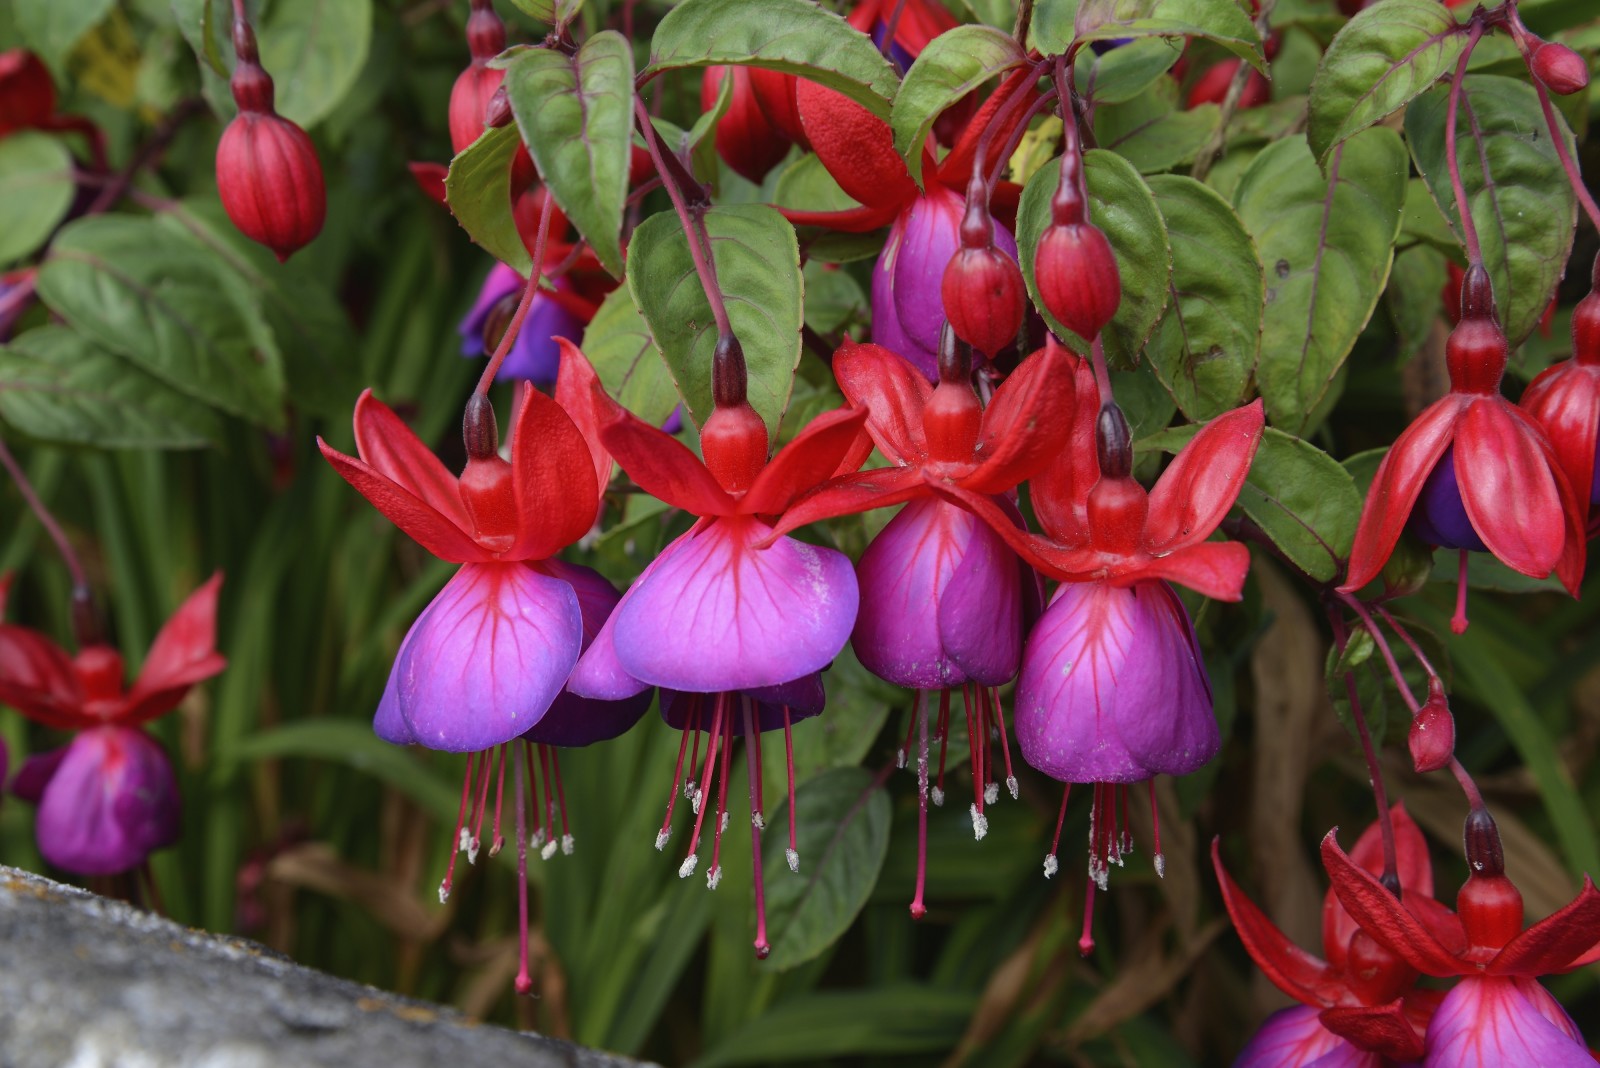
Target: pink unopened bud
x,y
1433,731
27,95
1077,277
1560,68
984,298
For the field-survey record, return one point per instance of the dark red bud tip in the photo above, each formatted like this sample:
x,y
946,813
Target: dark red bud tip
x,y
734,442
729,379
85,620
1482,838
27,94
1113,442
955,356
984,298
1560,68
977,225
1067,206
479,429
486,33
244,42
1077,276
1432,738
1477,293
498,113
252,88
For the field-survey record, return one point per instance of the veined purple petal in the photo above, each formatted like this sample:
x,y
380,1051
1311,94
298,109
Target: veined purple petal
x,y
111,802
981,613
1112,687
35,773
501,282
1487,1022
932,236
599,674
1439,516
1295,1038
803,697
388,723
535,356
484,661
886,329
576,721
717,613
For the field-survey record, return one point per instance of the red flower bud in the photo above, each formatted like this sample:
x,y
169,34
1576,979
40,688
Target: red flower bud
x,y
1212,86
1433,731
746,140
27,95
469,103
984,298
1560,68
270,181
1077,277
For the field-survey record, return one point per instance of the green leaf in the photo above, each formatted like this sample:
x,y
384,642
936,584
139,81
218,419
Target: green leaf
x,y
314,50
1121,205
576,117
1523,207
1327,244
953,64
1386,56
478,190
793,36
821,1027
1414,296
833,297
1222,21
56,385
170,306
1421,220
538,10
842,823
208,27
353,744
617,341
52,27
1152,132
1051,30
1124,73
758,265
1204,348
36,189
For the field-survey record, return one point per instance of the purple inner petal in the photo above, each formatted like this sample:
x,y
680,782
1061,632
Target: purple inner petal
x,y
1439,516
111,802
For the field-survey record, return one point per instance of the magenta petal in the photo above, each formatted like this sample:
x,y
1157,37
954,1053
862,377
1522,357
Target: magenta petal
x,y
501,282
388,723
1295,1038
903,575
35,773
1112,689
886,328
932,235
599,674
981,611
717,613
485,659
110,803
1488,1022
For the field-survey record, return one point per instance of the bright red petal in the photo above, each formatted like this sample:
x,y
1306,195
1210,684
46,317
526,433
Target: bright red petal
x,y
1203,480
1565,400
1557,942
1214,568
956,168
1381,1029
893,392
1396,486
184,653
1499,458
805,463
1056,561
854,145
663,467
1382,916
1060,491
1291,969
1416,877
552,473
851,494
579,392
38,680
394,451
423,523
1028,423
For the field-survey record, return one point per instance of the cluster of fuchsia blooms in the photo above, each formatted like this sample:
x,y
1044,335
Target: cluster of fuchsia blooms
x,y
731,628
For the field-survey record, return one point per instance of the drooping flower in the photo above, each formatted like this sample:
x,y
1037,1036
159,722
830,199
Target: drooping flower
x,y
1359,1004
1565,399
1498,1013
1451,471
28,102
488,658
1113,689
108,799
730,614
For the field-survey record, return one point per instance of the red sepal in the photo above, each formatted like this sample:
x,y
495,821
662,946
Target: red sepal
x,y
1203,480
664,468
1500,456
1026,424
1056,561
37,679
862,220
850,494
1415,871
1382,1029
1397,485
581,395
421,522
184,653
1565,400
1214,568
855,146
393,450
956,168
1290,968
430,179
1060,491
892,392
552,474
1557,942
1382,916
805,463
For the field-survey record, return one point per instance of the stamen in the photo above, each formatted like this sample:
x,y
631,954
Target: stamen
x,y
567,841
461,816
1458,622
700,813
980,823
672,796
499,796
975,756
714,877
1086,939
1155,823
549,799
919,713
902,756
536,835
1051,864
792,854
725,715
752,749
524,982
481,808
944,744
1005,744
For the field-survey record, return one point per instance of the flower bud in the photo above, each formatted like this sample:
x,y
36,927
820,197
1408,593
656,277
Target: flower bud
x,y
27,95
469,104
1586,322
1077,277
1433,731
1212,86
984,298
1560,68
746,140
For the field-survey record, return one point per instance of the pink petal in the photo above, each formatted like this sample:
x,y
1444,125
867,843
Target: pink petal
x,y
392,449
485,659
552,471
1488,1022
982,611
35,774
718,613
111,802
184,653
1295,1038
893,392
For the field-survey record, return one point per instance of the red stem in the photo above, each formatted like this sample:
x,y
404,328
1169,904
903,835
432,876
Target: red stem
x,y
1574,175
1469,229
1380,796
509,338
80,581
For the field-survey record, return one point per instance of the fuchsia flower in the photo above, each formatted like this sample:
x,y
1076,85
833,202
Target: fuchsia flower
x,y
1497,1014
1565,400
731,614
535,355
1451,472
108,799
1360,1005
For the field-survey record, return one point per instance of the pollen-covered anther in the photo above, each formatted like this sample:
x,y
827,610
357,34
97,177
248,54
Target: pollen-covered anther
x,y
444,891
686,869
463,839
548,850
938,796
714,877
1051,865
758,821
724,820
980,823
473,845
498,844
696,799
568,844
793,857
991,793
1161,865
661,840
1013,787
